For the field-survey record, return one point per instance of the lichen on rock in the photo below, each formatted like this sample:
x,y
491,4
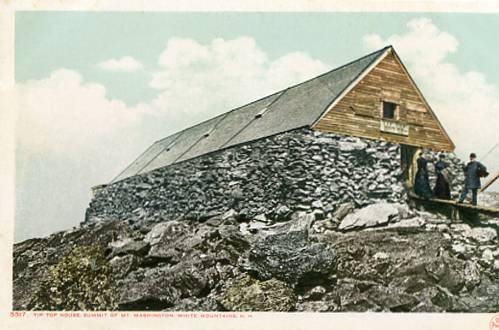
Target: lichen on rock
x,y
81,280
248,294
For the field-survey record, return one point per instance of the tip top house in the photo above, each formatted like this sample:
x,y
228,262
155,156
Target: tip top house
x,y
372,97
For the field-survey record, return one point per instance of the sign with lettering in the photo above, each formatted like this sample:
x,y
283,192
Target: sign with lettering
x,y
394,127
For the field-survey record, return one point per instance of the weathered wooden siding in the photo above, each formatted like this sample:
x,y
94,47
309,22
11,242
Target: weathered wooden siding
x,y
359,112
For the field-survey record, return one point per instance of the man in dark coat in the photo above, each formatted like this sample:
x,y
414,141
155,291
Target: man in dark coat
x,y
472,180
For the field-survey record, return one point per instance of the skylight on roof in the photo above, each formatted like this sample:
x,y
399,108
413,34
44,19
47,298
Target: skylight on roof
x,y
170,146
261,112
208,132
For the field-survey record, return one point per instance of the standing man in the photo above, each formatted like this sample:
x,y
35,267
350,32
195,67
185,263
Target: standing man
x,y
472,171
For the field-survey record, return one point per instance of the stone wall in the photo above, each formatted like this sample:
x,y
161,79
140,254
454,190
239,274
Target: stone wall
x,y
455,167
301,170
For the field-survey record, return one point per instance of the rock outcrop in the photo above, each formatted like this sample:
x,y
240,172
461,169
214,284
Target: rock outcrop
x,y
414,262
301,221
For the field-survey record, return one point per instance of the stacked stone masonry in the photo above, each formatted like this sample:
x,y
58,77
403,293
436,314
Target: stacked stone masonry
x,y
300,170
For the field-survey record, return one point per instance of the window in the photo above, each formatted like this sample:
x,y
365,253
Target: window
x,y
389,110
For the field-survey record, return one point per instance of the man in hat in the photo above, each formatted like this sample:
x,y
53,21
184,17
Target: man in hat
x,y
472,179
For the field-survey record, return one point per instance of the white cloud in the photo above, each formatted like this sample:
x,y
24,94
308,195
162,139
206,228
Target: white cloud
x,y
200,80
71,136
126,64
465,102
62,111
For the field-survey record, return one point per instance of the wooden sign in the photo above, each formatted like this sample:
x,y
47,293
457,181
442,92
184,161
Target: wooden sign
x,y
394,127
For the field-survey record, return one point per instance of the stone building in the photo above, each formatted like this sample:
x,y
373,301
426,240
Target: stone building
x,y
372,97
348,134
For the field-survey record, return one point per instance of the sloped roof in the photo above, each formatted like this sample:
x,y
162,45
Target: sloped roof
x,y
294,107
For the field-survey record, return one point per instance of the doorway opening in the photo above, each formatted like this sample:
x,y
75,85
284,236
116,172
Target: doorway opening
x,y
407,163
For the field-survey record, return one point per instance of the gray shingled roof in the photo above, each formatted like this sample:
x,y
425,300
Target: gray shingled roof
x,y
297,106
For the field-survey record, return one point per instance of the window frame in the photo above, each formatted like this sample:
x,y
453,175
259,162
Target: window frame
x,y
396,111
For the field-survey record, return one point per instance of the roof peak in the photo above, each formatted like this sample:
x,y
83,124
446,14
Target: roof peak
x,y
379,52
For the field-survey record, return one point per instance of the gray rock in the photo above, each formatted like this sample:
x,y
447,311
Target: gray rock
x,y
124,265
487,255
120,243
247,294
459,248
316,306
159,288
165,238
471,275
282,213
139,248
448,273
407,223
229,214
381,255
289,256
369,216
315,293
301,222
482,234
317,205
303,207
343,210
351,146
195,304
261,218
484,296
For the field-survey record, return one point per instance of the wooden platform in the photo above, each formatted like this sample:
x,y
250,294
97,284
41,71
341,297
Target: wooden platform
x,y
457,207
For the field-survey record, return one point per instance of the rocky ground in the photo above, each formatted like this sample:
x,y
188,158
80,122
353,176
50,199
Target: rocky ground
x,y
490,199
380,257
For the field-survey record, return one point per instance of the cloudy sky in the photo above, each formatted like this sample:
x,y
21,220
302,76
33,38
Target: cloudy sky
x,y
96,89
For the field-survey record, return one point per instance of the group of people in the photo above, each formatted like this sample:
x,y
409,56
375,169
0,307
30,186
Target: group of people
x,y
473,171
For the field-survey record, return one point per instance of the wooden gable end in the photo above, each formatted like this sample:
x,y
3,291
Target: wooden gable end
x,y
360,111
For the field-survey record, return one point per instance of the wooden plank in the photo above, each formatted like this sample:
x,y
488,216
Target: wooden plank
x,y
360,131
479,208
375,134
490,182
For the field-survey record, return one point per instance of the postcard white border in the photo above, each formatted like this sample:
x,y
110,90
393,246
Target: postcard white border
x,y
288,321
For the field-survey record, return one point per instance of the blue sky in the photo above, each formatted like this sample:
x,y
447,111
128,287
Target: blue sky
x,y
96,89
46,41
